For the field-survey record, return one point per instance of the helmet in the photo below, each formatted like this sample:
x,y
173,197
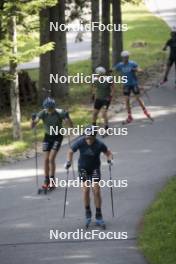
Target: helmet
x,y
100,70
125,53
49,103
90,131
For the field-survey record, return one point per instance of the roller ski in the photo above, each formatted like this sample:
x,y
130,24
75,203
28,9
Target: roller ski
x,y
100,223
46,187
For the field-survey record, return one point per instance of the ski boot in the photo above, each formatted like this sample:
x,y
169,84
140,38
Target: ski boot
x,y
44,186
51,186
148,115
88,218
163,81
100,222
128,120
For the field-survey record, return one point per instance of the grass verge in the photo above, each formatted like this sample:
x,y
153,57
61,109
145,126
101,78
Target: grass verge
x,y
157,238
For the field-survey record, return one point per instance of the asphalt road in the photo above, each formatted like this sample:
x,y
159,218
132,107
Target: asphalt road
x,y
146,158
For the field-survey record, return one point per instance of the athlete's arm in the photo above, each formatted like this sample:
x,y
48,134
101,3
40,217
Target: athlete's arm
x,y
113,91
92,92
67,120
166,45
34,121
70,155
109,155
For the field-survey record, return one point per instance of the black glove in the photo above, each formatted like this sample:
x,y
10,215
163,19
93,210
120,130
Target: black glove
x,y
67,165
93,97
33,117
110,162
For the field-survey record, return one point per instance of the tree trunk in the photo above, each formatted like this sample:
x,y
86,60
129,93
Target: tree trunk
x,y
14,87
45,59
95,48
59,54
117,41
55,61
105,37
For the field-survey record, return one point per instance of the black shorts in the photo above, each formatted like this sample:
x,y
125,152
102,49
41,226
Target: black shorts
x,y
52,142
89,175
171,61
99,103
131,88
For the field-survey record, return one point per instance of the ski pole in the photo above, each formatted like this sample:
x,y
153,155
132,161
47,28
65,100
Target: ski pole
x,y
111,191
65,198
36,156
73,171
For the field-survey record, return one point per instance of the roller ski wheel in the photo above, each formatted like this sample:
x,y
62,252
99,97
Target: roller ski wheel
x,y
100,223
127,121
87,223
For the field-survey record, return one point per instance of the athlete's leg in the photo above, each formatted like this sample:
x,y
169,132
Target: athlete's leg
x,y
95,115
52,164
86,194
168,67
97,195
141,103
105,117
46,163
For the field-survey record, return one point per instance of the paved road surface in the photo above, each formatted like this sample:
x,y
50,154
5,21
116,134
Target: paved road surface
x,y
146,158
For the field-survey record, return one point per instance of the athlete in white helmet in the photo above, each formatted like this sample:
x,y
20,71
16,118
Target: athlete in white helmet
x,y
102,94
129,68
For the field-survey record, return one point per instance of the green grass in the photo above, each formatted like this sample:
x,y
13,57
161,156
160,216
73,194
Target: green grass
x,y
143,26
158,236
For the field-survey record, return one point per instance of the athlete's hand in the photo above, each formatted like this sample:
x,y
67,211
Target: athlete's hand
x,y
110,162
67,165
93,97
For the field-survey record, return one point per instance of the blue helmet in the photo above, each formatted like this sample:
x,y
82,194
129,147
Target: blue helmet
x,y
49,103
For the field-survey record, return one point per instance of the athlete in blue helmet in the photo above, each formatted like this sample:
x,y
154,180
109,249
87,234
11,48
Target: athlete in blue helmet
x,y
51,117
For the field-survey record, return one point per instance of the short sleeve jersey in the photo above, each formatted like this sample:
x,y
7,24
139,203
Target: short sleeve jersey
x,y
126,69
103,88
89,158
54,119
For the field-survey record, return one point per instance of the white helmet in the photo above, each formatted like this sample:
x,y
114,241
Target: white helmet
x,y
100,70
125,53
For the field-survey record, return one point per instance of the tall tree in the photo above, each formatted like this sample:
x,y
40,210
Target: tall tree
x,y
105,35
56,61
16,33
14,88
117,36
95,44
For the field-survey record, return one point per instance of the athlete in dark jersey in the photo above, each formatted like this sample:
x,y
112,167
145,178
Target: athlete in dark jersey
x,y
171,43
51,117
89,164
103,93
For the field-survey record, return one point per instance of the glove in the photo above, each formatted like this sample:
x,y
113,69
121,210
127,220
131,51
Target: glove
x,y
93,97
110,162
67,165
33,117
